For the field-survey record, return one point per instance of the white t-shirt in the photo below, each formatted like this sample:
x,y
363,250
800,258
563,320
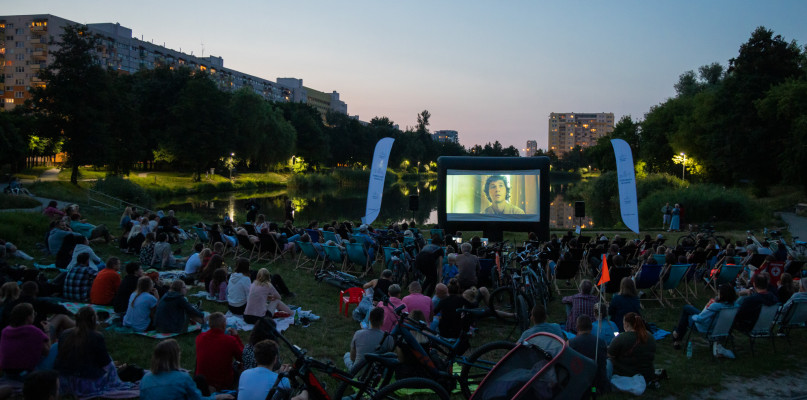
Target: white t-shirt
x,y
193,264
255,383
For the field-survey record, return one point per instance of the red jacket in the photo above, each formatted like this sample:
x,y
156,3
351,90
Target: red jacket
x,y
215,351
104,287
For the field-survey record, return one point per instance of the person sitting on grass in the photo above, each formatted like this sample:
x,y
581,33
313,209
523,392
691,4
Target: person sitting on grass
x,y
603,327
92,232
78,281
595,349
166,381
538,317
206,275
194,264
163,255
52,211
703,319
84,365
260,292
450,321
627,300
173,310
58,233
633,351
238,287
579,304
215,352
218,286
372,340
147,250
141,305
380,285
127,286
106,283
418,301
46,311
135,240
83,246
256,383
22,345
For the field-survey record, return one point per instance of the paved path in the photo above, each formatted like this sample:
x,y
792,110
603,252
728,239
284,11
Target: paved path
x,y
50,175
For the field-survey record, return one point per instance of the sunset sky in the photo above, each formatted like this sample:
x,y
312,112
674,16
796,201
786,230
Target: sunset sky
x,y
492,70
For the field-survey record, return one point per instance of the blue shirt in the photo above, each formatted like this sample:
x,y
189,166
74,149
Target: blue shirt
x,y
542,327
172,385
255,383
138,315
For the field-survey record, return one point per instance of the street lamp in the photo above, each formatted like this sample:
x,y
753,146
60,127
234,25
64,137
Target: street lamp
x,y
231,165
683,165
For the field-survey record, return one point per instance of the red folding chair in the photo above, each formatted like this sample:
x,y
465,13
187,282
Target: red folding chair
x,y
350,296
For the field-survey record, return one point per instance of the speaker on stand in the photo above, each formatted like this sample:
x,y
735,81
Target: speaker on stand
x,y
580,212
414,204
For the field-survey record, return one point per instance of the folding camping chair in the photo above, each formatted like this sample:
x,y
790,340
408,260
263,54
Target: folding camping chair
x,y
246,248
314,234
649,277
333,254
763,328
726,274
795,317
328,235
566,270
358,255
675,273
720,329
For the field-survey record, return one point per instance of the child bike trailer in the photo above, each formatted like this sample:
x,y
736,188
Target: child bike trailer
x,y
542,367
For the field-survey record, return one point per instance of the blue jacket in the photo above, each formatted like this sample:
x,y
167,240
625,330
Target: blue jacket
x,y
173,385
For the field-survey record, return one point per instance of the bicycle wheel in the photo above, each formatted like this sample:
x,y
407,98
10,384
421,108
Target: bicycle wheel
x,y
479,363
412,388
522,313
502,299
373,375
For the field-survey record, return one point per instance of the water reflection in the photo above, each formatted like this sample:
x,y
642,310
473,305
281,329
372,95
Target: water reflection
x,y
348,204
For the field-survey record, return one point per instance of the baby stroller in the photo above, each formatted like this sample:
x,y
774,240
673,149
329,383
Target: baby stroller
x,y
542,367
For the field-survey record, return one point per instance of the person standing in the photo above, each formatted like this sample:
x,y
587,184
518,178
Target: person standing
x,y
468,267
675,222
429,261
666,212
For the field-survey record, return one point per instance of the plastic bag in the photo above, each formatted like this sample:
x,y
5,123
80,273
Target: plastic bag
x,y
635,385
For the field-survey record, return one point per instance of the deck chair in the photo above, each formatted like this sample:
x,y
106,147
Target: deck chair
x,y
763,328
661,259
269,250
410,242
674,273
388,256
307,254
315,235
328,235
720,329
250,229
333,254
246,248
726,274
794,317
358,255
757,260
201,236
649,277
216,237
616,274
566,270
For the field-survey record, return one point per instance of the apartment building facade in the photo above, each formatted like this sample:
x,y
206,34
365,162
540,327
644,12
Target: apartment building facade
x,y
446,135
26,47
567,130
531,148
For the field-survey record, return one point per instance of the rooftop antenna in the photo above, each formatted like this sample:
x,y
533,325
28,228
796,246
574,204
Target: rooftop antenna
x,y
203,49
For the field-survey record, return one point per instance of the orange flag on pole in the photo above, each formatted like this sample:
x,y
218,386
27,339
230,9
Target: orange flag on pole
x,y
604,275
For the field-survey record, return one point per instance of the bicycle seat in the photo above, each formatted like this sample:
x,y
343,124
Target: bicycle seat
x,y
389,359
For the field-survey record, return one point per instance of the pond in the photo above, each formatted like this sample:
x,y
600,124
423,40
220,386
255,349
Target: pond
x,y
348,204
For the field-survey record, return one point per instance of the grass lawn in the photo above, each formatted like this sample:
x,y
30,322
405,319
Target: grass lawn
x,y
11,201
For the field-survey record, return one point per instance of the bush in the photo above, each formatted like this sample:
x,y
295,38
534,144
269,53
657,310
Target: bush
x,y
312,181
701,202
116,186
23,227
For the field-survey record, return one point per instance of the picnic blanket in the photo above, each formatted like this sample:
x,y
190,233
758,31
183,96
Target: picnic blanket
x,y
48,266
154,334
73,307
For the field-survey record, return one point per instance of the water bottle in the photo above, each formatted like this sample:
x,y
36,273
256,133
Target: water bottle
x,y
689,349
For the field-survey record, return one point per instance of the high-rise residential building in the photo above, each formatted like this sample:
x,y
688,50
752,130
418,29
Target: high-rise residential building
x,y
25,49
446,136
567,130
532,147
322,101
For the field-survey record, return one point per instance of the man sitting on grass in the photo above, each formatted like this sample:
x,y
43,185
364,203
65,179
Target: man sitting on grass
x,y
215,351
79,280
368,340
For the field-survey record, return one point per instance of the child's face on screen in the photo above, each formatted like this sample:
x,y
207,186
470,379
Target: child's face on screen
x,y
497,191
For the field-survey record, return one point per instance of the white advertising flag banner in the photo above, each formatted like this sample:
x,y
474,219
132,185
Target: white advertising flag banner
x,y
626,178
377,174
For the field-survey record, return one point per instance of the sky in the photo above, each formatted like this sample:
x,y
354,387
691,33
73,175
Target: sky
x,y
491,70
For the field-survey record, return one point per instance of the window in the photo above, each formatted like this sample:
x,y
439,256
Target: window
x,y
10,101
9,26
18,95
19,31
20,56
19,82
19,69
19,45
9,37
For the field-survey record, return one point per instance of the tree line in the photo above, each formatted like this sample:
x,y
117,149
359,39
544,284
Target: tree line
x,y
745,124
179,119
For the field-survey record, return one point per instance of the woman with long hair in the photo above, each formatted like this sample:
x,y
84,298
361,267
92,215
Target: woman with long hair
x,y
218,285
260,292
9,292
141,305
147,249
165,379
633,351
627,300
216,261
84,365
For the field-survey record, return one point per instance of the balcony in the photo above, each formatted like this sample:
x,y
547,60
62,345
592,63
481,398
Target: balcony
x,y
37,40
39,28
36,79
39,55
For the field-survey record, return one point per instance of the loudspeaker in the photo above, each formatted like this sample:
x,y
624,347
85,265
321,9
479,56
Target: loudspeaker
x,y
414,201
579,209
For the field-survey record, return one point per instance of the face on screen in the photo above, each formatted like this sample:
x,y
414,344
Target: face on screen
x,y
497,190
492,195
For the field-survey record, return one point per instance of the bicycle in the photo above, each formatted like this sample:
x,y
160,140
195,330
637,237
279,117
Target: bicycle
x,y
511,299
691,239
375,386
435,362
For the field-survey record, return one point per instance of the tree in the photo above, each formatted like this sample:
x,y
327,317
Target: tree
x,y
13,140
73,100
261,136
312,142
423,122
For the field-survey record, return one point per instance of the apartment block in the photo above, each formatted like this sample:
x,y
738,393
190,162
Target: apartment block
x,y
25,49
531,148
322,101
567,130
446,136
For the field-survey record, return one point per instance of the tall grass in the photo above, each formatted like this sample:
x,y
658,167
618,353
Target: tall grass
x,y
60,190
21,228
10,201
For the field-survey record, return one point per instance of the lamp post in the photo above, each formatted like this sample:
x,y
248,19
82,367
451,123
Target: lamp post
x,y
231,165
683,165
